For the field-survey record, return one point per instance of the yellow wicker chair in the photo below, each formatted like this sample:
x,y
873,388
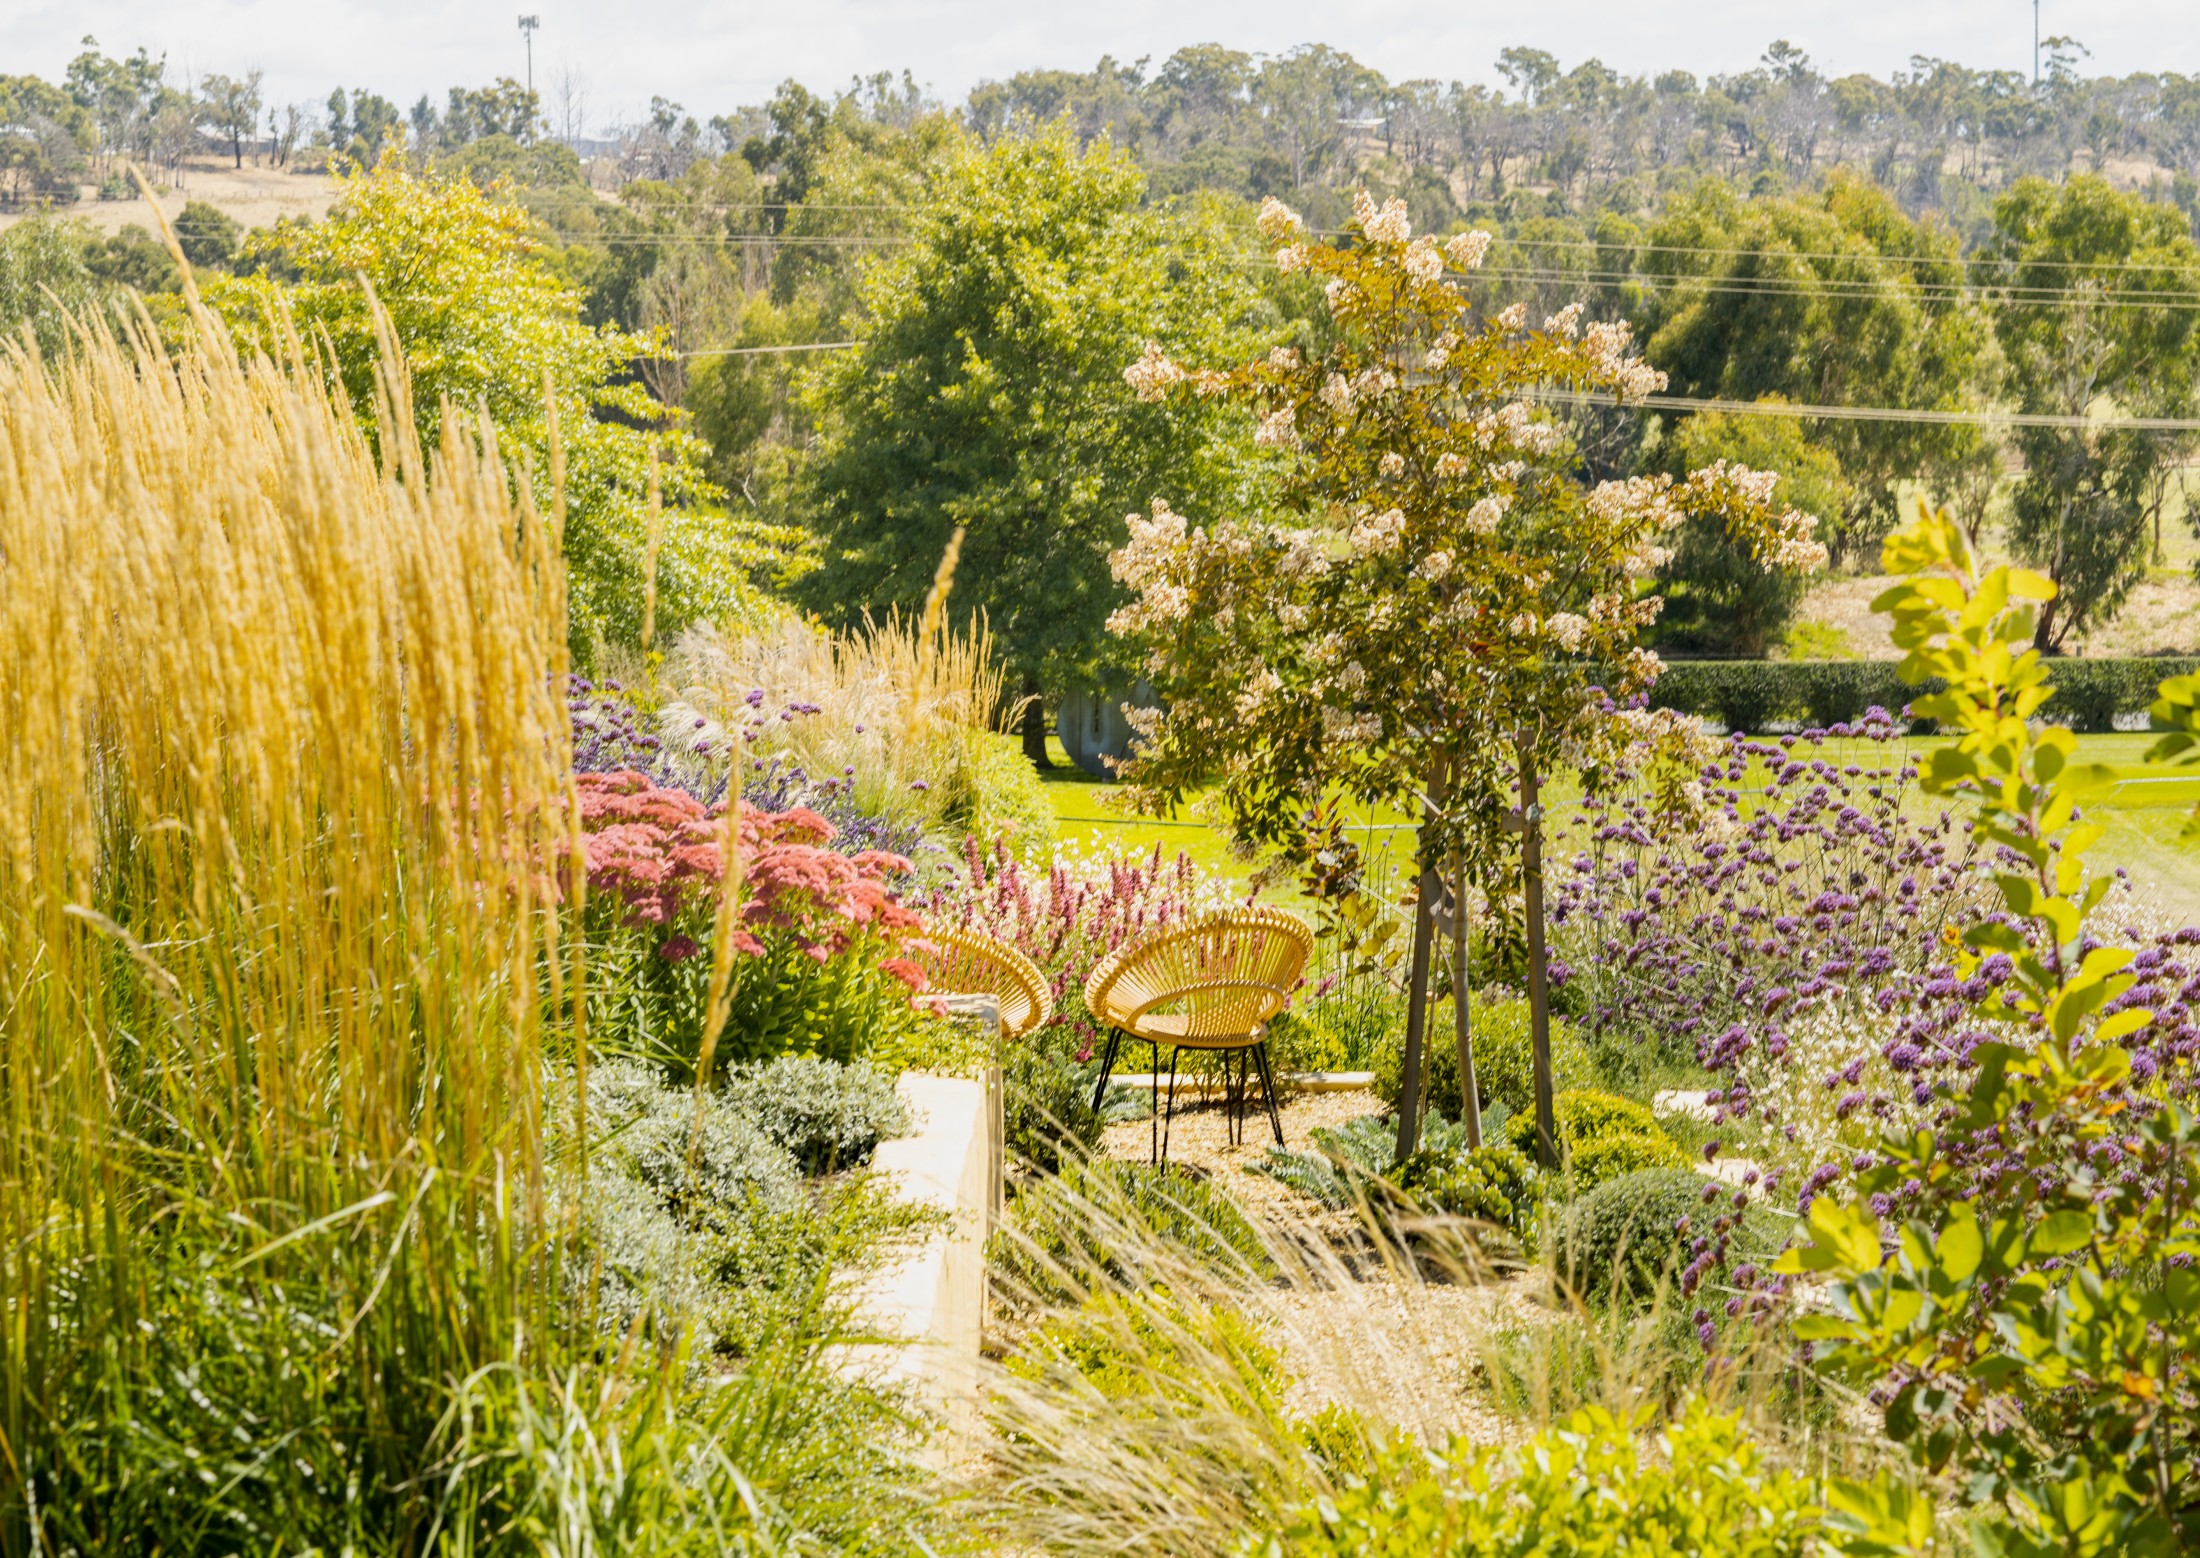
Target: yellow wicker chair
x,y
1214,984
966,962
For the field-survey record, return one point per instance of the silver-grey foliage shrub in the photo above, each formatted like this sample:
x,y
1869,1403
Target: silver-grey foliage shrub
x,y
829,1116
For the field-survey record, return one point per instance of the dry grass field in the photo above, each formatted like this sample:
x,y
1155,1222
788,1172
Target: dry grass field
x,y
254,196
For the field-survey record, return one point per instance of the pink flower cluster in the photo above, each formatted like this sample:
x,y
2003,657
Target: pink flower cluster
x,y
649,846
659,852
1077,913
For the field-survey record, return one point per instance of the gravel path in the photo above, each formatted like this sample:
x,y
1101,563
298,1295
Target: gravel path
x,y
1351,1329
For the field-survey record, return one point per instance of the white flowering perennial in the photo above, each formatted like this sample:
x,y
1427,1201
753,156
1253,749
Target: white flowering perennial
x,y
1422,262
1482,518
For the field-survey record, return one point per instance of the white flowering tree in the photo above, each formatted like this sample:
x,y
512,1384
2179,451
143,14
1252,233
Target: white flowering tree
x,y
1432,631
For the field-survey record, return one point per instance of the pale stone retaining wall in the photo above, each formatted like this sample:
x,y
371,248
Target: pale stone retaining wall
x,y
933,1299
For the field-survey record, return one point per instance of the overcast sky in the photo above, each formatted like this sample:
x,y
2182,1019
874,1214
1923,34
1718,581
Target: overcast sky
x,y
713,55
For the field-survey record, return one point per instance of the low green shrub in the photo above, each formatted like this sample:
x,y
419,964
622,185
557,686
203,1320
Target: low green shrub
x,y
703,1223
786,1003
1492,1183
1047,1112
1347,1028
829,1116
1504,1060
1601,1136
995,793
1585,1487
1081,1224
1626,1235
1347,1159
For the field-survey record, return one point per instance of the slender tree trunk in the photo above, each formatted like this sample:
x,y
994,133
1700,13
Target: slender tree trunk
x,y
1539,992
1462,1017
1424,933
1035,728
1409,1074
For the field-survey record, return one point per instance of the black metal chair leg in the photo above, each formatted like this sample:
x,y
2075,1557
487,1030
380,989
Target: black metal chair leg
x,y
1153,1118
1107,1067
1174,1054
1268,1086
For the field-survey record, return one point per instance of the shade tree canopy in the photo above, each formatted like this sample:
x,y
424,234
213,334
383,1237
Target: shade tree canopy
x,y
986,396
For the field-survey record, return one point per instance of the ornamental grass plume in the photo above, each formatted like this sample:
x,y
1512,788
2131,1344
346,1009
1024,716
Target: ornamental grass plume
x,y
276,947
902,719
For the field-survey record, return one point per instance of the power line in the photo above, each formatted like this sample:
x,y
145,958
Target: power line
x,y
1780,408
1762,408
1727,285
759,351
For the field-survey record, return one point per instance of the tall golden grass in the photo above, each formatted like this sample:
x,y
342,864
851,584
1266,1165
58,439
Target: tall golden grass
x,y
281,786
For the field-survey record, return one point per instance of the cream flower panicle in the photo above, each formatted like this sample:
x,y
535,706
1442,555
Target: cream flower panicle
x,y
1277,221
1570,630
1393,465
1291,257
1380,533
1482,518
1278,430
1465,250
1285,358
1152,374
1513,318
1435,567
1565,322
1387,224
1344,726
1422,262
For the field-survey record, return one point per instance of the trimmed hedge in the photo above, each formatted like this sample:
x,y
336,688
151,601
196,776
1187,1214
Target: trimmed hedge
x,y
1750,695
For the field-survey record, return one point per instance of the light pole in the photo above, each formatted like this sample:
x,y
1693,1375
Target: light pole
x,y
528,24
2035,44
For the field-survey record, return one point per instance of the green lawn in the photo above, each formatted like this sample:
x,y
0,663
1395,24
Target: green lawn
x,y
2144,823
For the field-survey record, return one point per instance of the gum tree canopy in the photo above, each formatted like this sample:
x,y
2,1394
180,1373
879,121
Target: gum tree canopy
x,y
987,395
1428,629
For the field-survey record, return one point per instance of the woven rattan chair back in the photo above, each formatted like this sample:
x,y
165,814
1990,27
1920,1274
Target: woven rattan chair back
x,y
1212,984
967,962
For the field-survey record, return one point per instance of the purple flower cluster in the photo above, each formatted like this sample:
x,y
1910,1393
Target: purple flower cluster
x,y
1808,882
610,736
775,785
